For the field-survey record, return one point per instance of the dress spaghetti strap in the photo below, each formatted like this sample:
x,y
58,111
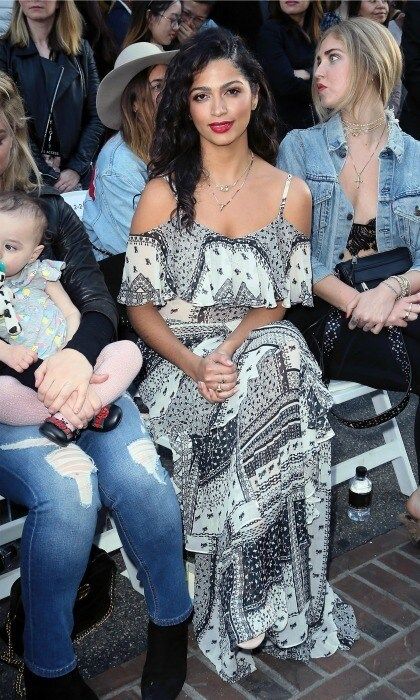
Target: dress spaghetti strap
x,y
284,195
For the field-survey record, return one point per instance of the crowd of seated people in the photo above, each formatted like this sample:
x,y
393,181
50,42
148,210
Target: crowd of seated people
x,y
230,157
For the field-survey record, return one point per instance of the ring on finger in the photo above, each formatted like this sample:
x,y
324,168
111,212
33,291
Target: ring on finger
x,y
406,315
219,388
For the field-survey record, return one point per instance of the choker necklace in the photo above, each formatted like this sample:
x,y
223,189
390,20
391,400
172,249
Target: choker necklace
x,y
356,129
244,177
226,188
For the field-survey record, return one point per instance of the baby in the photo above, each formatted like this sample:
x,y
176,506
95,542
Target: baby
x,y
46,321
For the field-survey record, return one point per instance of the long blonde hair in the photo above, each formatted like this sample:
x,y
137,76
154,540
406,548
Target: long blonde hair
x,y
375,60
66,34
21,166
138,127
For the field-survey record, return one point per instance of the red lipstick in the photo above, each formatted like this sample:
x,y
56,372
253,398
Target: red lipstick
x,y
220,127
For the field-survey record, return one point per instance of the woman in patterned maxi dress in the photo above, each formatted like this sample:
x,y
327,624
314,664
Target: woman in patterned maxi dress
x,y
232,388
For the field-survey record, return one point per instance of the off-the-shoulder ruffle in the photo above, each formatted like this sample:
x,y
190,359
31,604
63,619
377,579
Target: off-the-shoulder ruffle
x,y
146,277
208,269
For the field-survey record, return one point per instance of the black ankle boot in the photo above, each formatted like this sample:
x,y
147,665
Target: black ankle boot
x,y
165,669
68,687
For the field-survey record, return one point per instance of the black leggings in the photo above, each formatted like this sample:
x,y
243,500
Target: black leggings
x,y
362,357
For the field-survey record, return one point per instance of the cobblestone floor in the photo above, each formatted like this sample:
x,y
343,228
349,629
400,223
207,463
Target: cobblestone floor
x,y
381,579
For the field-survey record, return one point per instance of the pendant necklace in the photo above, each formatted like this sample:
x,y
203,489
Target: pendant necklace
x,y
245,174
358,181
226,188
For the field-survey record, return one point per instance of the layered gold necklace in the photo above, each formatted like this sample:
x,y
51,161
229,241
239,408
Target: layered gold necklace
x,y
226,188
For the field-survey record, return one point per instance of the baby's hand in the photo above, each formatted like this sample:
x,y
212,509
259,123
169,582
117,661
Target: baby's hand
x,y
18,357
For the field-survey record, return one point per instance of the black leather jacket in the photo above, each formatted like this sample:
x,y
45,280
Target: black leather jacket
x,y
67,240
68,85
281,51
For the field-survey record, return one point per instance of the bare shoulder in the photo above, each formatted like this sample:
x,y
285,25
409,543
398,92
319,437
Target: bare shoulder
x,y
298,209
156,204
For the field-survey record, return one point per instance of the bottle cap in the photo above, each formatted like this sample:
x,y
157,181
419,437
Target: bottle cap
x,y
361,472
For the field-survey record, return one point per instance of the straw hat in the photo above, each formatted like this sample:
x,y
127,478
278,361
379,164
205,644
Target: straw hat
x,y
131,61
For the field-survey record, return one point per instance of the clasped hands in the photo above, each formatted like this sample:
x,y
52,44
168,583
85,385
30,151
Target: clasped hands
x,y
65,383
217,377
377,308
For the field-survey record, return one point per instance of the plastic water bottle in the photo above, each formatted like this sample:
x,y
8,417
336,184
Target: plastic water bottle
x,y
360,496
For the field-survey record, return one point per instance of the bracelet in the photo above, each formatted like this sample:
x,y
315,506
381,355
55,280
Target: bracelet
x,y
405,285
408,286
391,287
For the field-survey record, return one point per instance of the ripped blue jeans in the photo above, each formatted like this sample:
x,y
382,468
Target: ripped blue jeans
x,y
63,488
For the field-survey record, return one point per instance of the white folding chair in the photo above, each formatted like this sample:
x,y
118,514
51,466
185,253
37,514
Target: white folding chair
x,y
393,449
76,200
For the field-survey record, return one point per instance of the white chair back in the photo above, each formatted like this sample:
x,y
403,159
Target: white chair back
x,y
76,200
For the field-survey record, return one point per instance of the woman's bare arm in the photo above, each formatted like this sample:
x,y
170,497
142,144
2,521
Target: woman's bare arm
x,y
156,205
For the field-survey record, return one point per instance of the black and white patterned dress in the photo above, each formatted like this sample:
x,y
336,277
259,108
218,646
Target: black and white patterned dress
x,y
253,473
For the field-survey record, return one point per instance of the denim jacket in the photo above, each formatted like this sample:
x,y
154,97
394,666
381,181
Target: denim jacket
x,y
317,155
119,179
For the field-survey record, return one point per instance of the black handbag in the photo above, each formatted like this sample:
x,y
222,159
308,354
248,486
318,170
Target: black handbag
x,y
367,272
362,274
94,604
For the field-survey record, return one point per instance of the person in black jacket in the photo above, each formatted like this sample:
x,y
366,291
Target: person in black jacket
x,y
99,36
410,46
63,488
286,50
55,72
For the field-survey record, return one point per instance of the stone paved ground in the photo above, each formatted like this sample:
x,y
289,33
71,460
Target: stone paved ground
x,y
381,579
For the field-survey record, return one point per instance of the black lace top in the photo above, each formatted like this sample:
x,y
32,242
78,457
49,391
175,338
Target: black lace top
x,y
362,237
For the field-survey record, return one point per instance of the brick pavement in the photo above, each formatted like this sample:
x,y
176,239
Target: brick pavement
x,y
382,581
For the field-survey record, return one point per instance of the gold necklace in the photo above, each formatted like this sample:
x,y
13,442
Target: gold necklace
x,y
226,188
359,180
222,205
356,129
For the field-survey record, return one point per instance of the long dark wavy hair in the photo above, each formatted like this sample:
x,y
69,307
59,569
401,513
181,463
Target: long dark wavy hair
x,y
176,152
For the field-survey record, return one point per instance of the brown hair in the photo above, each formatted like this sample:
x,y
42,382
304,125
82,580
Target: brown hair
x,y
138,127
19,202
375,61
354,9
66,34
21,166
313,16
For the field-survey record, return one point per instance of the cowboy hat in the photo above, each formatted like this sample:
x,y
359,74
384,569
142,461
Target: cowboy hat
x,y
132,60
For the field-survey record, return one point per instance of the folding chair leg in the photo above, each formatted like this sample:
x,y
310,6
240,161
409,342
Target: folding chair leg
x,y
391,433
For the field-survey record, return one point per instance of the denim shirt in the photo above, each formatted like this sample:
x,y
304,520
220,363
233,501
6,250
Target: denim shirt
x,y
317,155
119,179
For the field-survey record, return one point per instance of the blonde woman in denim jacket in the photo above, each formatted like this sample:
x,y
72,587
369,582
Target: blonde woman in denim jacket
x,y
363,174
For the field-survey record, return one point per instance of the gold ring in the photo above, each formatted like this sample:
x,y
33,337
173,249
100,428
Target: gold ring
x,y
219,388
406,315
